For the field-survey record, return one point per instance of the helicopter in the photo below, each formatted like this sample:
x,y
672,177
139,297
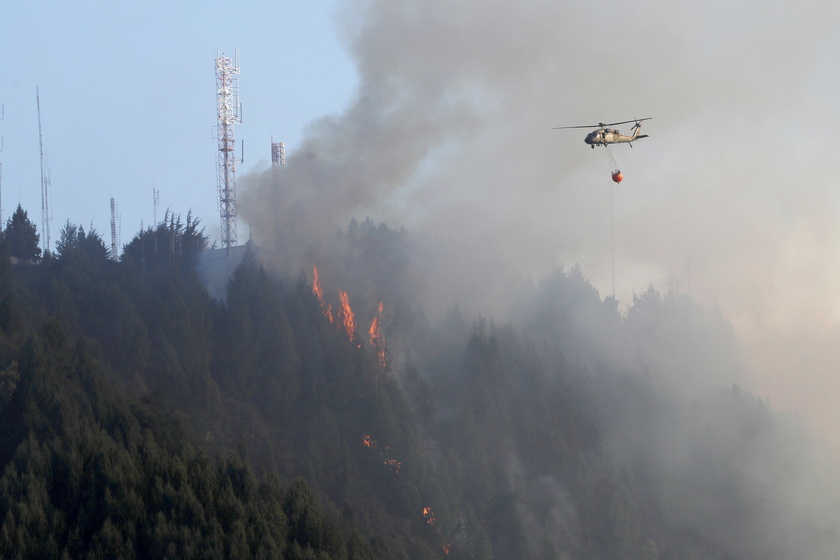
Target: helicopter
x,y
604,135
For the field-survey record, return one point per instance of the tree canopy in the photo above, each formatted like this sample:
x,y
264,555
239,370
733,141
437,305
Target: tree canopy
x,y
22,236
142,418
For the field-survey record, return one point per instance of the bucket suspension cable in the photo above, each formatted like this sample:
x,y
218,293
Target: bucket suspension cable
x,y
612,159
615,173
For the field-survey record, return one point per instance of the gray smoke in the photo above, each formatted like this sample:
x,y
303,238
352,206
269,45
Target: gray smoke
x,y
450,134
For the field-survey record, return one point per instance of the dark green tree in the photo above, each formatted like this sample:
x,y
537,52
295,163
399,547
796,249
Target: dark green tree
x,y
74,243
170,244
22,236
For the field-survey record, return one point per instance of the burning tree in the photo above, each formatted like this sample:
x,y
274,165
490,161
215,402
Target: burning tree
x,y
377,339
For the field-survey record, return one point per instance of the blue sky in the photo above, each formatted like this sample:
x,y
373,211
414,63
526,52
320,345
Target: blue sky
x,y
128,100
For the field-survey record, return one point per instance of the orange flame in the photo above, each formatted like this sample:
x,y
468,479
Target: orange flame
x,y
316,286
346,315
377,339
430,518
319,293
371,443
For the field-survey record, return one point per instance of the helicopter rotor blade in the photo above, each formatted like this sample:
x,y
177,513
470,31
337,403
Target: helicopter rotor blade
x,y
602,125
637,121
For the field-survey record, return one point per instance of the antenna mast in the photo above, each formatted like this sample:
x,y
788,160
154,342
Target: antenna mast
x,y
155,204
278,160
2,116
45,183
229,114
113,230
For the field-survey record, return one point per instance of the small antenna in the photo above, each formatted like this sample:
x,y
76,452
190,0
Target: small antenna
x,y
155,203
2,116
278,160
114,255
45,182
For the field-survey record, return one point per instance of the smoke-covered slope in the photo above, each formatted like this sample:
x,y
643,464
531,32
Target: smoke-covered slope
x,y
571,431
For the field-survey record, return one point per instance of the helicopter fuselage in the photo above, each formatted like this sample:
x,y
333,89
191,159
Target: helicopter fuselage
x,y
604,136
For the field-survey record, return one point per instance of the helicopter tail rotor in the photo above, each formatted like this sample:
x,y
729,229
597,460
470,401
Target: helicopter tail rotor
x,y
636,129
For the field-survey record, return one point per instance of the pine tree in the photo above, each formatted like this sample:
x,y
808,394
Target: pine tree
x,y
22,236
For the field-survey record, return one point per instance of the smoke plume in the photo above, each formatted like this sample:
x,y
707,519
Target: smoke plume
x,y
450,135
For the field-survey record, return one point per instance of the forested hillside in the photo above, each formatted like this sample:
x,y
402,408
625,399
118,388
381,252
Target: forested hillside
x,y
303,416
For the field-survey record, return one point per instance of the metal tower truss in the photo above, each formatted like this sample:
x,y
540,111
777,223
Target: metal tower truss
x,y
229,114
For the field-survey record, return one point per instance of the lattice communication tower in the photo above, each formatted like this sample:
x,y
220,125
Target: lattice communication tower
x,y
229,113
46,218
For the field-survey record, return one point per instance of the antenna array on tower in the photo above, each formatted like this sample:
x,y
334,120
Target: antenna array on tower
x,y
278,154
229,114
